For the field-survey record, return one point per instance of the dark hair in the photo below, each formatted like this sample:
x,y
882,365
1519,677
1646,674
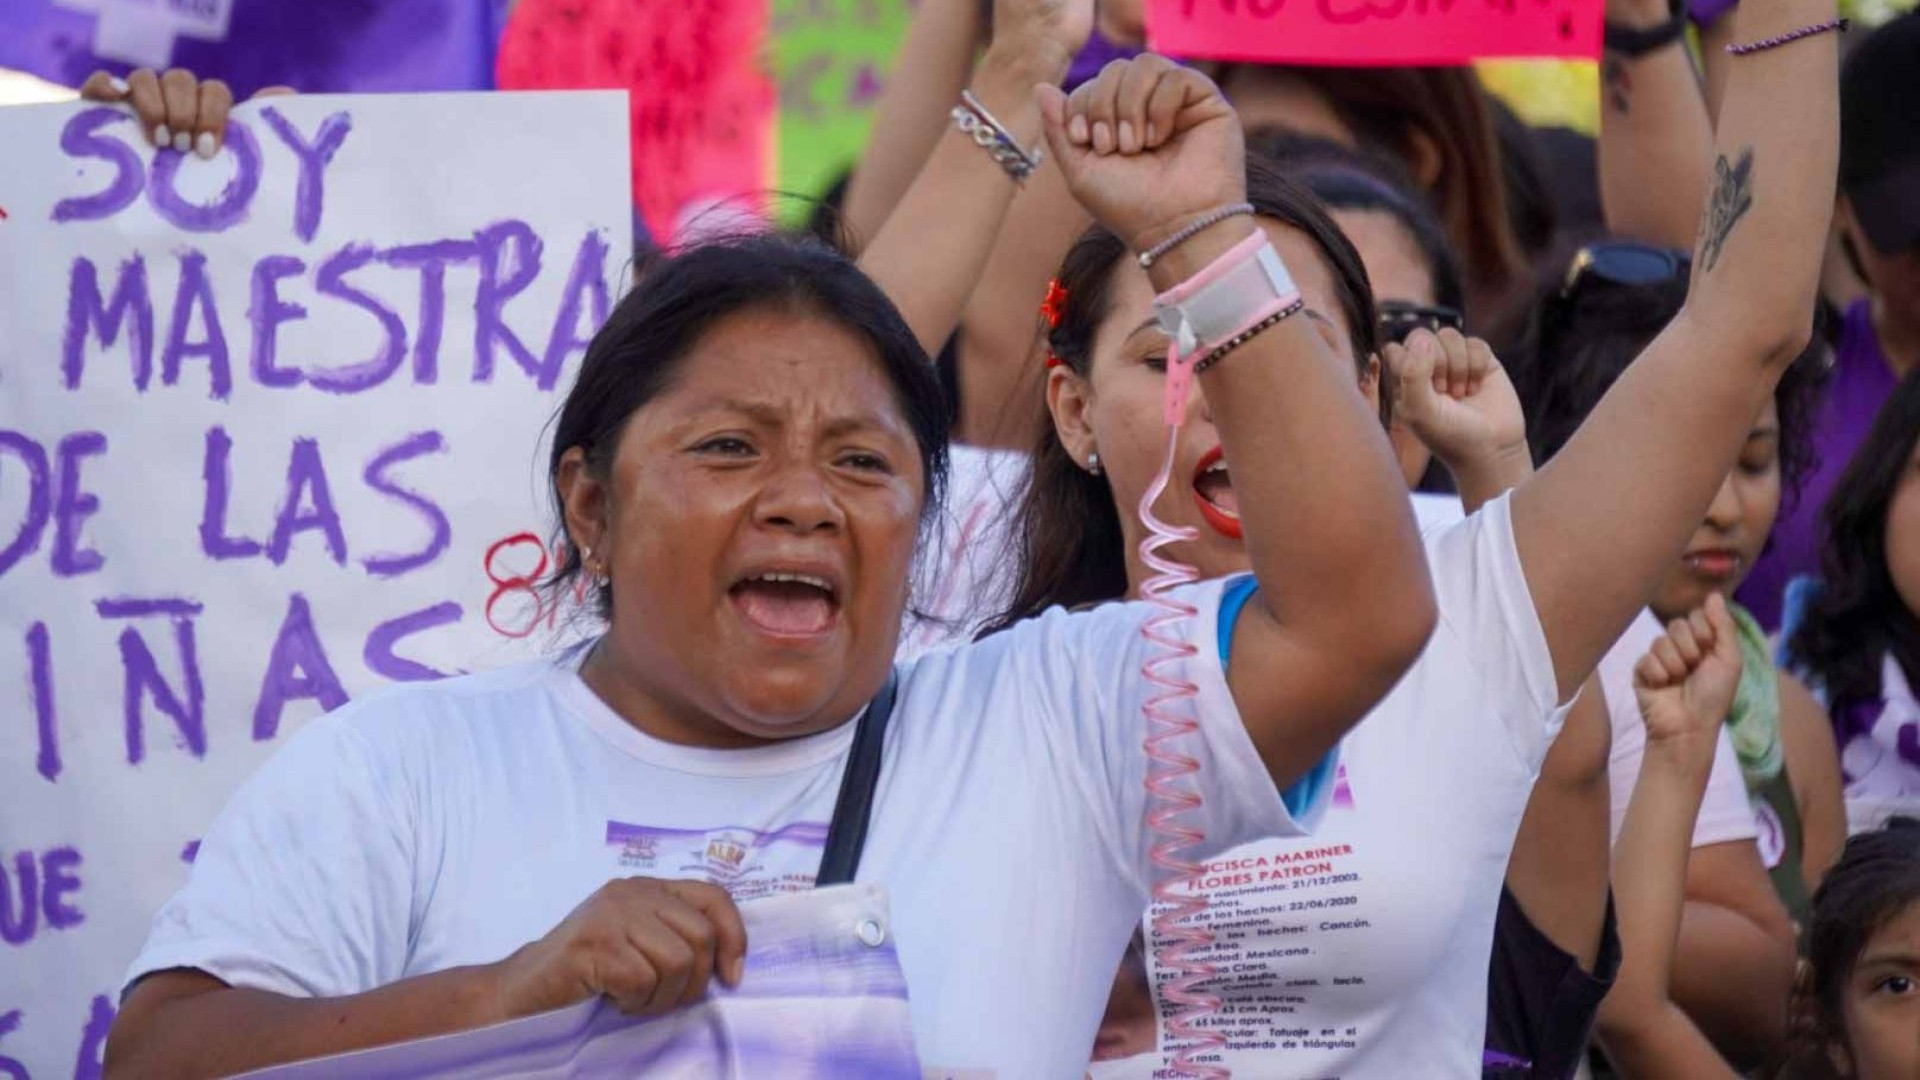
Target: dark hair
x,y
827,223
1388,108
1581,344
1876,877
1343,178
1532,213
1879,135
826,216
1856,617
677,299
1071,548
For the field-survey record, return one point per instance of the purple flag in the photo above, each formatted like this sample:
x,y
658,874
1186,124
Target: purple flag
x,y
315,46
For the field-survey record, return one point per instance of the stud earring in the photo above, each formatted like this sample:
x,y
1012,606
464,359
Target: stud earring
x,y
1093,463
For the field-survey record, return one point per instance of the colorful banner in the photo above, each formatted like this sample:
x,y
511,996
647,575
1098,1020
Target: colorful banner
x,y
736,103
830,60
1373,32
701,119
270,436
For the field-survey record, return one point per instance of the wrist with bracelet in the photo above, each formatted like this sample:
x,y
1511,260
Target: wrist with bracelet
x,y
1153,253
974,121
1633,42
1233,299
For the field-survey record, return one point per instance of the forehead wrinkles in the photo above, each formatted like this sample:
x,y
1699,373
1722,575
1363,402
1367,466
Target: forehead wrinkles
x,y
820,378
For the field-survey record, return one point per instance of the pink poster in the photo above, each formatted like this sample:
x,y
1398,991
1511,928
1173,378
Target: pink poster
x,y
702,108
1373,32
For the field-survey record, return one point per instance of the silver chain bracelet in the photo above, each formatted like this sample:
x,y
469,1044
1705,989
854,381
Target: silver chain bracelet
x,y
989,134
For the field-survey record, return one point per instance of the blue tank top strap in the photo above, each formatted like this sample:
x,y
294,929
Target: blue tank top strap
x,y
1233,599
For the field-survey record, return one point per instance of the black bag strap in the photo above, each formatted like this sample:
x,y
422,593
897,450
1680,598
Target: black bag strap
x,y
847,836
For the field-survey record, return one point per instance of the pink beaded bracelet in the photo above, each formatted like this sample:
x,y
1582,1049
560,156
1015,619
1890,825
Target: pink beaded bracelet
x,y
1778,40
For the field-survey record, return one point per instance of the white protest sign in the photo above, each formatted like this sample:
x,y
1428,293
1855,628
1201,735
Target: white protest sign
x,y
270,435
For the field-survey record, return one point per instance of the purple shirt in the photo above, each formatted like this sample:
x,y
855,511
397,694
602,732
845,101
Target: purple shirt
x,y
315,46
1861,381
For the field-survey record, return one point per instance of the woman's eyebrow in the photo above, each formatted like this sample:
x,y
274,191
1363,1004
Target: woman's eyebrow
x,y
766,415
1902,958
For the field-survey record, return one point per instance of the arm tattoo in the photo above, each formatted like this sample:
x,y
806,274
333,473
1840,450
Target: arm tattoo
x,y
1731,199
1616,81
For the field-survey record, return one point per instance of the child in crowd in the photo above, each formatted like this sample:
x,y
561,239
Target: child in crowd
x,y
1858,1004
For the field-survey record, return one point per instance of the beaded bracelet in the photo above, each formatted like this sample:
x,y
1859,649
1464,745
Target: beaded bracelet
x,y
1778,40
989,134
1249,334
1188,231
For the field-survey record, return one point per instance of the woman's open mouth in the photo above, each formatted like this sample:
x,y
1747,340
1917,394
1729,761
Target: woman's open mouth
x,y
1213,494
787,604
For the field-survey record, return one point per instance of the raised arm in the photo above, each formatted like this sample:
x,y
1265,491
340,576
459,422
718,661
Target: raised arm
x,y
1600,522
930,254
1733,967
1452,393
1684,684
1000,343
1655,137
1345,604
933,64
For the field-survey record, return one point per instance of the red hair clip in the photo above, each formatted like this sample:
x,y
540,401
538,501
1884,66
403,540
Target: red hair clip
x,y
1051,309
1055,305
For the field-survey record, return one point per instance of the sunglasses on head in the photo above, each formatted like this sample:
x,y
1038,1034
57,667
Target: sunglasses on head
x,y
1623,262
1399,319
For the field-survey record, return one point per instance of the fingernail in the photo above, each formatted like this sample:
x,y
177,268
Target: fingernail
x,y
737,970
1127,143
1153,134
1102,137
183,141
162,136
1077,129
204,145
118,84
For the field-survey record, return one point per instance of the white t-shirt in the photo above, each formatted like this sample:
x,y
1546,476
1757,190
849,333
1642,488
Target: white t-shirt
x,y
1726,814
444,824
1362,951
966,569
1432,513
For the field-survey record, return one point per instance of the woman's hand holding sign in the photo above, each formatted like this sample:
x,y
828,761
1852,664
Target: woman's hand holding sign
x,y
647,944
175,107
